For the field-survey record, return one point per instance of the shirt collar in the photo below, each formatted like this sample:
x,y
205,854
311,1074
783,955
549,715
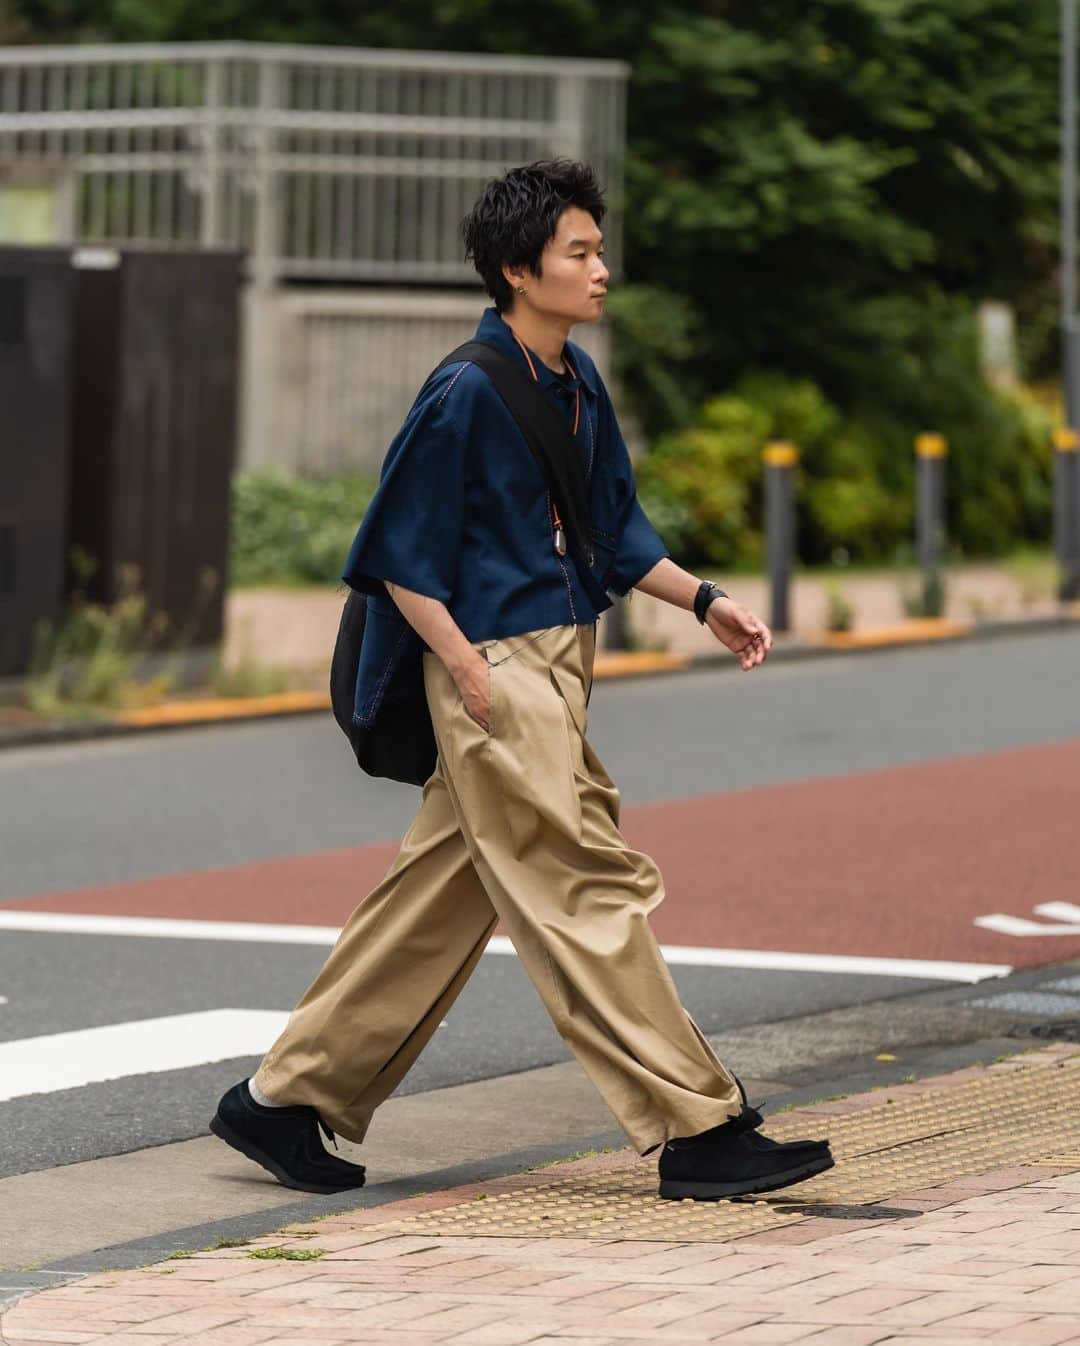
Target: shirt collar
x,y
492,328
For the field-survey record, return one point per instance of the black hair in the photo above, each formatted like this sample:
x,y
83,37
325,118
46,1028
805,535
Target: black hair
x,y
517,215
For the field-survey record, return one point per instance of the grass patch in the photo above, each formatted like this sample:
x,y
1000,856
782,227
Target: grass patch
x,y
581,1154
279,1253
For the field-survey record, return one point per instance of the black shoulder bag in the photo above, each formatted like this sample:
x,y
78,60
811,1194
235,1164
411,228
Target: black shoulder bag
x,y
400,744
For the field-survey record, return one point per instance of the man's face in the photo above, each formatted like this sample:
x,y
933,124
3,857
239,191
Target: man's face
x,y
574,277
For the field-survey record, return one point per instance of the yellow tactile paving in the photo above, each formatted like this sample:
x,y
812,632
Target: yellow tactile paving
x,y
924,1136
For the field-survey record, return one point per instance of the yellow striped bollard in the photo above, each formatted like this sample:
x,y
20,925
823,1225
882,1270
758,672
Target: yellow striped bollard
x,y
780,457
1067,511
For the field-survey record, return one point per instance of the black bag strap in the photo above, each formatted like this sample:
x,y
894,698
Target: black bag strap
x,y
547,435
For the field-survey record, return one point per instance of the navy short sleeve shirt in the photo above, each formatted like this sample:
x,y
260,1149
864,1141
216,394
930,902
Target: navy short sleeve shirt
x,y
462,512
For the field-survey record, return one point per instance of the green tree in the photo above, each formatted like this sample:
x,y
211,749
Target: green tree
x,y
821,188
790,162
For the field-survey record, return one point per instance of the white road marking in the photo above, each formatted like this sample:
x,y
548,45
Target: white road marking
x,y
1017,925
1060,911
927,968
677,954
90,1055
159,927
1021,927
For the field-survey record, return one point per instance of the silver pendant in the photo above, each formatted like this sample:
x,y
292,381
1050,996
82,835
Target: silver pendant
x,y
560,541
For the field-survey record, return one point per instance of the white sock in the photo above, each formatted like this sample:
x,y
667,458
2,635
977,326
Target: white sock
x,y
259,1097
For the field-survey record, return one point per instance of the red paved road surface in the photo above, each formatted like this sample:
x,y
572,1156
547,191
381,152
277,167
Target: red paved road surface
x,y
893,863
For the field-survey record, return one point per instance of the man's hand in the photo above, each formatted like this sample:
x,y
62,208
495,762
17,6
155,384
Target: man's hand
x,y
737,628
431,620
474,683
730,622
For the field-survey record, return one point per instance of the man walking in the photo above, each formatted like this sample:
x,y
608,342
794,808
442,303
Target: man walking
x,y
518,823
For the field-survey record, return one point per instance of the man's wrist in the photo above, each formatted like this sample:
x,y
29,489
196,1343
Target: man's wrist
x,y
461,657
706,592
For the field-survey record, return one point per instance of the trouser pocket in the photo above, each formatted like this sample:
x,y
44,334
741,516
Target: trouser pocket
x,y
505,647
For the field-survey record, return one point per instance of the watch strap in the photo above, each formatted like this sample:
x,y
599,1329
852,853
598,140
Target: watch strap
x,y
707,591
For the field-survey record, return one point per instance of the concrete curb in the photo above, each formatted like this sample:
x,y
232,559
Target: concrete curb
x,y
614,665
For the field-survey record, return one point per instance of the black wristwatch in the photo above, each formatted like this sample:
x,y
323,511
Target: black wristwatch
x,y
707,591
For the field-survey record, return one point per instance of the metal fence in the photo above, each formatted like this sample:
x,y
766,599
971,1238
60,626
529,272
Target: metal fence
x,y
320,162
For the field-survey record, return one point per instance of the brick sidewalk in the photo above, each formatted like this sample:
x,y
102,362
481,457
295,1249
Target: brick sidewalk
x,y
985,1256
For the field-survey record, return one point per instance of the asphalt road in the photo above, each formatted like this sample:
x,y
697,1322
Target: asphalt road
x,y
867,805
120,809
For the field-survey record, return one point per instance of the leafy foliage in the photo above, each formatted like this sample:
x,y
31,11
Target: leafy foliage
x,y
289,529
855,480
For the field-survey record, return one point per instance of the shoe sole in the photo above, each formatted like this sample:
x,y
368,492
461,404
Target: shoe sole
x,y
717,1191
225,1132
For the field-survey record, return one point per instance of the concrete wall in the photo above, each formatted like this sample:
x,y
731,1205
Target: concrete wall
x,y
330,373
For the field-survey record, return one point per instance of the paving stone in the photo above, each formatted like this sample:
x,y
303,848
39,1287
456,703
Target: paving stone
x,y
496,1334
849,1334
929,1309
771,1334
457,1319
1041,1332
1040,1275
984,1320
236,1335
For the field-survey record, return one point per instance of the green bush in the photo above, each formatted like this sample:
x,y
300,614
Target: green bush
x,y
999,473
697,485
288,529
702,486
89,657
839,610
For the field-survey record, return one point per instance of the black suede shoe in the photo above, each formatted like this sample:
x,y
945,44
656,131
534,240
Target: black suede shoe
x,y
733,1159
285,1141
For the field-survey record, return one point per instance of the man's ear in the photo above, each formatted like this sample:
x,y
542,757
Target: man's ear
x,y
514,276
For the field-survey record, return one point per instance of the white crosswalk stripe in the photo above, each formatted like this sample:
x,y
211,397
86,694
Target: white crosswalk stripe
x,y
676,954
174,1042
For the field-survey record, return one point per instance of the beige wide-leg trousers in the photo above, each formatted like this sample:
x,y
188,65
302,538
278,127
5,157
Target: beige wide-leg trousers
x,y
518,825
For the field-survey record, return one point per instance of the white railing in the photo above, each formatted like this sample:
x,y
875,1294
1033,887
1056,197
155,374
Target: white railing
x,y
318,162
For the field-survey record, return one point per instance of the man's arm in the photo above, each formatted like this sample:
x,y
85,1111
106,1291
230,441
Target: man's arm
x,y
670,582
430,619
732,624
432,622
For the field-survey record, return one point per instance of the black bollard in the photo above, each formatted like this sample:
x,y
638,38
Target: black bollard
x,y
780,458
1067,511
930,452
